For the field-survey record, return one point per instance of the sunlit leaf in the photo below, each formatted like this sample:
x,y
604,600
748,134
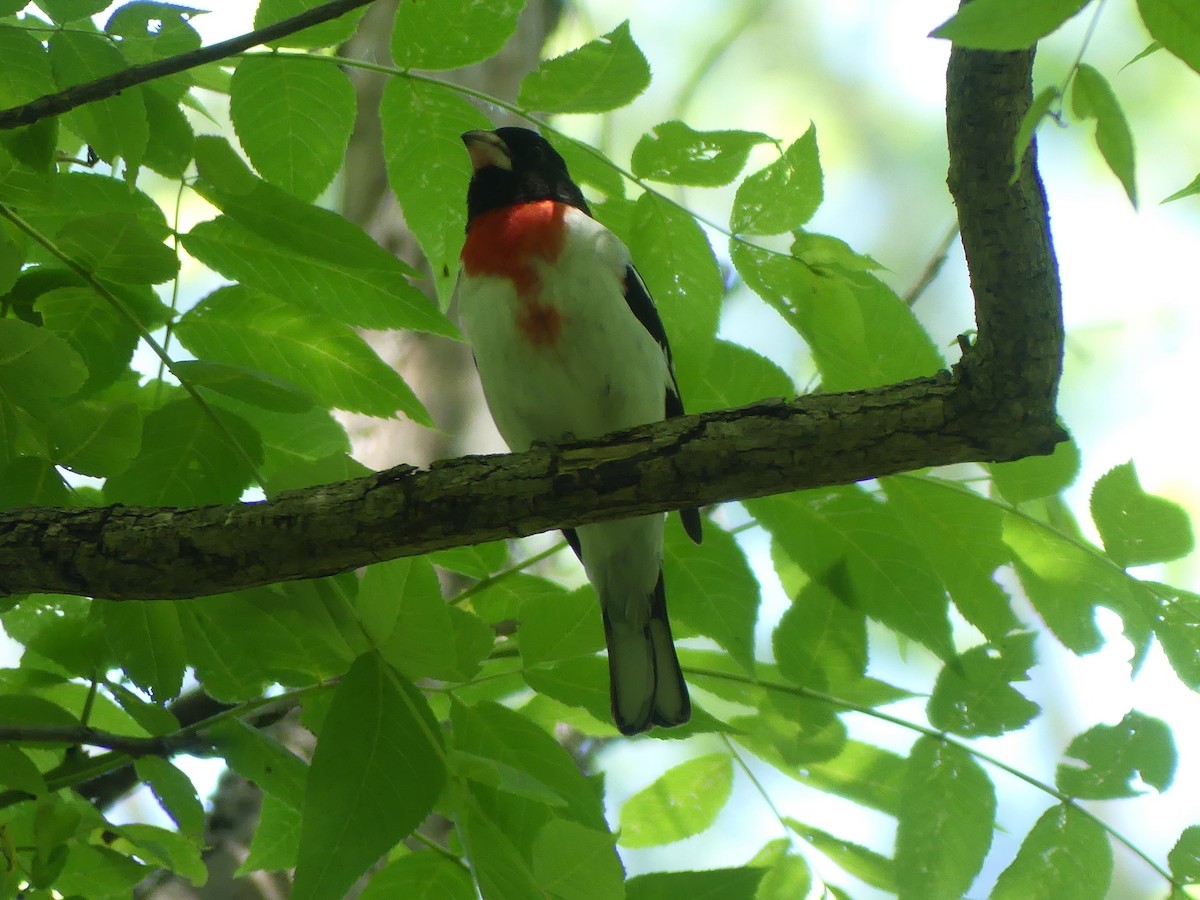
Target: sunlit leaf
x,y
1065,856
1006,24
782,196
944,829
676,154
293,117
447,34
1114,757
601,75
682,802
1138,528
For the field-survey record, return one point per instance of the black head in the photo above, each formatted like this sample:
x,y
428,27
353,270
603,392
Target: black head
x,y
516,165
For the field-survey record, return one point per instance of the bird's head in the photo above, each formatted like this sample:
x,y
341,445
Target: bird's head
x,y
516,165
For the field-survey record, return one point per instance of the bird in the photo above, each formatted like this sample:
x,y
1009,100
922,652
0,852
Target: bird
x,y
569,345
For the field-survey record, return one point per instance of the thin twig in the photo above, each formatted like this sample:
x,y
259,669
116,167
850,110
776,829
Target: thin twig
x,y
111,85
933,267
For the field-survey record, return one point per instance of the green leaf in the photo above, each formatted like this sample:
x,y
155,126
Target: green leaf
x,y
31,481
580,682
58,628
1065,856
401,607
1138,747
1177,627
103,337
500,867
786,879
26,74
294,439
377,770
783,195
675,260
861,862
861,334
19,772
276,841
78,195
676,154
589,166
147,640
1191,190
188,459
427,165
683,801
1037,476
1006,24
115,247
860,550
1138,528
293,117
238,643
63,11
736,376
313,257
1176,25
494,732
559,625
1066,582
1092,98
151,30
475,561
447,34
421,876
14,250
712,589
113,127
322,357
820,642
711,884
165,849
960,534
944,829
262,760
603,74
327,34
243,383
573,862
1037,111
1184,857
99,874
36,365
171,141
974,695
174,791
327,470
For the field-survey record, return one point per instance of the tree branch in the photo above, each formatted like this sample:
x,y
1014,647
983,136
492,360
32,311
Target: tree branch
x,y
81,735
998,405
1005,232
110,85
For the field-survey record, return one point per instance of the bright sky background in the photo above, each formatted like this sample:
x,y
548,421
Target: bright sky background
x,y
865,72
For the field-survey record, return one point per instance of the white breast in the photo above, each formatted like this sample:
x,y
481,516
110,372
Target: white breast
x,y
604,372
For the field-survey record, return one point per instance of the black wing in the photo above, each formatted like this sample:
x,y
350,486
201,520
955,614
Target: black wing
x,y
643,309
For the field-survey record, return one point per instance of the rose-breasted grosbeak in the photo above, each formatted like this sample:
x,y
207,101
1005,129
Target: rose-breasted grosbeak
x,y
568,344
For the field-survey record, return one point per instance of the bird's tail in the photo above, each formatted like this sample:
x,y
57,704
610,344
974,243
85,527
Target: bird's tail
x,y
645,680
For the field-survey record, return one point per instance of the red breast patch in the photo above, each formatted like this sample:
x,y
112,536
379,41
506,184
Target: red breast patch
x,y
507,243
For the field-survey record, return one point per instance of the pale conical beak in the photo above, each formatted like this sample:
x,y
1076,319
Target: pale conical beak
x,y
487,149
